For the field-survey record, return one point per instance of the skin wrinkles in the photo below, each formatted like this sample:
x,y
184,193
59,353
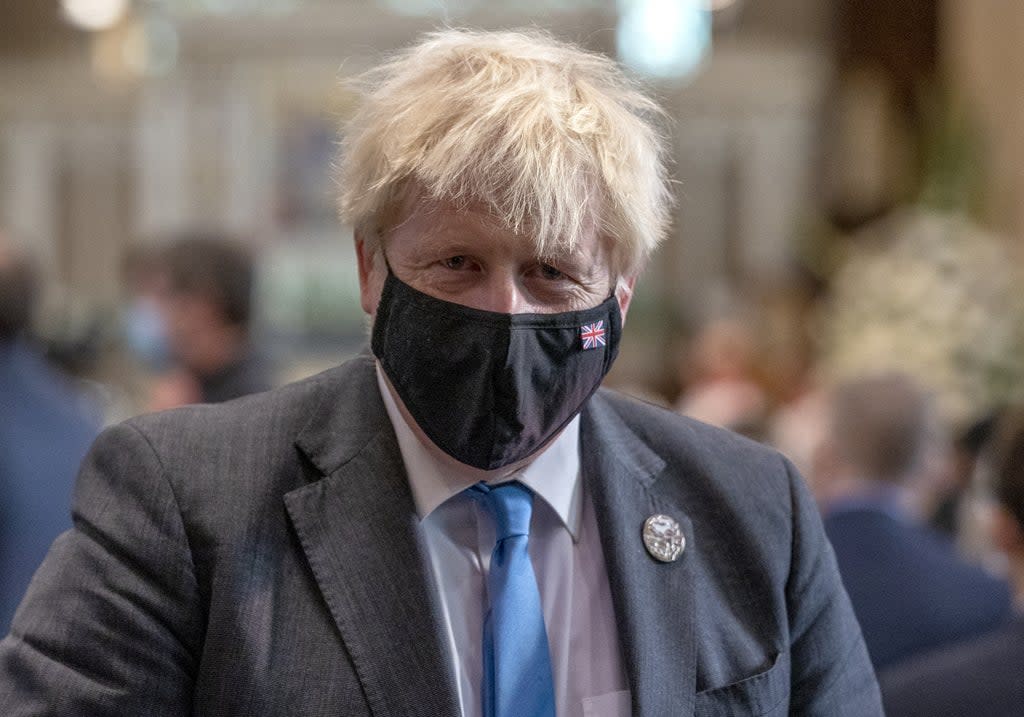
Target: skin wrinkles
x,y
466,256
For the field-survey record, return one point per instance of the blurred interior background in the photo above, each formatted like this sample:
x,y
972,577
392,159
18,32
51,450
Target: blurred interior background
x,y
809,135
848,175
849,179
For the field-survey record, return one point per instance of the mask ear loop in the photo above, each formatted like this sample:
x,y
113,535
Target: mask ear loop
x,y
387,264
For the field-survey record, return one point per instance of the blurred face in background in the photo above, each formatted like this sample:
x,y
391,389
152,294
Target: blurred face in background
x,y
144,321
200,337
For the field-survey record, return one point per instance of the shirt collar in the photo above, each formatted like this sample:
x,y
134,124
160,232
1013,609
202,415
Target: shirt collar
x,y
553,474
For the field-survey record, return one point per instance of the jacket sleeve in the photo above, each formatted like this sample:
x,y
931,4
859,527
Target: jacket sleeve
x,y
830,669
110,624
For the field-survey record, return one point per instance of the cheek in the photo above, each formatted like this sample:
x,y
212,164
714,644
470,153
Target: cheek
x,y
176,323
189,328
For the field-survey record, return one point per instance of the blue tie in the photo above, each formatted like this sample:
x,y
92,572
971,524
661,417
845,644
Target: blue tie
x,y
517,679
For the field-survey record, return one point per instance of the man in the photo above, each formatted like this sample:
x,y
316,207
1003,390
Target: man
x,y
910,590
456,523
984,676
206,313
955,492
45,429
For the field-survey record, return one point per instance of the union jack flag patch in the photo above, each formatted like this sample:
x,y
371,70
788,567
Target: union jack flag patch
x,y
592,335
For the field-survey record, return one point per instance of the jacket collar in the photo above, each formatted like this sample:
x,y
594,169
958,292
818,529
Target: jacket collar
x,y
349,414
654,601
357,527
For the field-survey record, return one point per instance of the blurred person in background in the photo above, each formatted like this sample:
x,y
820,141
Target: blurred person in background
x,y
983,677
143,319
46,426
458,521
193,313
910,590
797,429
718,373
142,351
953,493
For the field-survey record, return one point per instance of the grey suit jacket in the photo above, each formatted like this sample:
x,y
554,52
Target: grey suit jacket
x,y
260,558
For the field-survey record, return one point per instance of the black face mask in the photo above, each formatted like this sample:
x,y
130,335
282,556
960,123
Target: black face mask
x,y
489,388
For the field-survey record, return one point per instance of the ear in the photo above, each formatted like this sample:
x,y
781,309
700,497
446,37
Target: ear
x,y
624,294
372,272
1007,533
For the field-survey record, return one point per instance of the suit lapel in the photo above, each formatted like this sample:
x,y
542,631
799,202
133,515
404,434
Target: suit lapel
x,y
357,527
653,601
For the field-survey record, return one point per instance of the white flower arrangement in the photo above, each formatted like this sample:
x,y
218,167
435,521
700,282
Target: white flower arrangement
x,y
931,295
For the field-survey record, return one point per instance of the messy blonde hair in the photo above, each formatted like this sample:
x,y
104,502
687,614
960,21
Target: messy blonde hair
x,y
549,137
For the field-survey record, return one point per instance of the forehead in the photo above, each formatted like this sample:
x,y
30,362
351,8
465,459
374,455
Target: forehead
x,y
428,226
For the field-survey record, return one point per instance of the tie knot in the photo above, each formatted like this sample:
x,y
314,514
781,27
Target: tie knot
x,y
510,505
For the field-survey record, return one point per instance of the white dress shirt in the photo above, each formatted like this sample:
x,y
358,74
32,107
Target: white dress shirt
x,y
564,548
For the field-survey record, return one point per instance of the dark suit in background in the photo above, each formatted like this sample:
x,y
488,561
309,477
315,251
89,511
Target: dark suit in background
x,y
910,590
982,678
260,558
250,373
45,430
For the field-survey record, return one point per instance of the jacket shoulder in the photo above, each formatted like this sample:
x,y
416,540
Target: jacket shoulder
x,y
685,442
732,489
249,444
262,416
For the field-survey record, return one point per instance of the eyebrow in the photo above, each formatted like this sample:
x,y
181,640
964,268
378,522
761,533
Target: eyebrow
x,y
440,236
580,263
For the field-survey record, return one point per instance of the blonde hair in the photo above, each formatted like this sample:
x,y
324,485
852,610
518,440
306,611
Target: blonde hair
x,y
549,137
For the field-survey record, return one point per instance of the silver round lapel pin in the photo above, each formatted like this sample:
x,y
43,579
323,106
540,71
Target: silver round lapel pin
x,y
663,538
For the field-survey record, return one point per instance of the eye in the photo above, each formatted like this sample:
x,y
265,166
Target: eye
x,y
550,272
455,262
